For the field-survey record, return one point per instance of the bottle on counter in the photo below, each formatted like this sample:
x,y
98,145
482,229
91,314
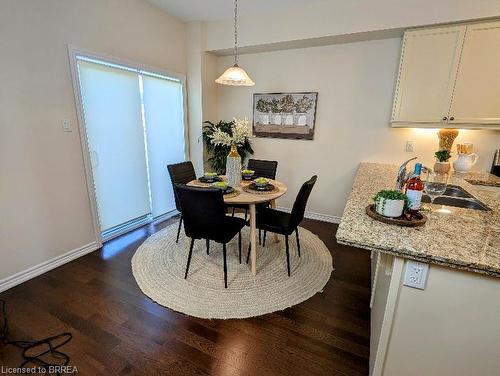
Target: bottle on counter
x,y
415,188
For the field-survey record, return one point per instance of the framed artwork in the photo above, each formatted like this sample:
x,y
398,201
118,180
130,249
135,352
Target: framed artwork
x,y
284,115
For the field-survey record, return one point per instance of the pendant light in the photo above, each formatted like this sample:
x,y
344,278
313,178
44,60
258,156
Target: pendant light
x,y
235,76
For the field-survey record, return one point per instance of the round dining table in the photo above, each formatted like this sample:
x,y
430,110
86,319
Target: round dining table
x,y
244,196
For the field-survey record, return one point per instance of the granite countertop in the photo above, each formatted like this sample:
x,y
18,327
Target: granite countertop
x,y
460,238
480,178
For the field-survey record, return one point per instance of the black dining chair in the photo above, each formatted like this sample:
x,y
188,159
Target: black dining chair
x,y
263,169
283,223
205,217
180,173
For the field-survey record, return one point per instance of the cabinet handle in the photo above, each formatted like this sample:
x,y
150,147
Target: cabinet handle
x,y
452,118
445,118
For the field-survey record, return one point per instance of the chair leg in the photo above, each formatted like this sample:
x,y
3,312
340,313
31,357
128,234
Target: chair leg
x,y
249,249
239,244
208,246
233,213
189,257
264,240
246,214
225,265
179,230
298,241
287,254
260,236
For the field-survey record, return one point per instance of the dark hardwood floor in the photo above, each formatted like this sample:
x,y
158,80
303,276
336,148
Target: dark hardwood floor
x,y
119,331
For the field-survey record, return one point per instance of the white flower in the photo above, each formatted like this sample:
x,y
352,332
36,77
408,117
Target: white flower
x,y
240,129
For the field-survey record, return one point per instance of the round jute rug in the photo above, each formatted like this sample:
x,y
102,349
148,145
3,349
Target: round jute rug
x,y
159,265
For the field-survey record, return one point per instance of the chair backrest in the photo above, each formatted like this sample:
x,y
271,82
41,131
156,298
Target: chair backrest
x,y
262,168
203,210
180,173
299,206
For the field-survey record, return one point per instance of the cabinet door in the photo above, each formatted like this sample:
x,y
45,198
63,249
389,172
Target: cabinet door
x,y
428,67
476,98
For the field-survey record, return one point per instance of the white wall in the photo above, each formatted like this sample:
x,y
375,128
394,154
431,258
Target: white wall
x,y
356,84
44,203
338,17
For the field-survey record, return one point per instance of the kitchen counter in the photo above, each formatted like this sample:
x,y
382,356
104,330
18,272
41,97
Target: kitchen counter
x,y
479,178
460,238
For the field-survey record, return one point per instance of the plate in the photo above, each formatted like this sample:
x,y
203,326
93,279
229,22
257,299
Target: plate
x,y
255,187
215,179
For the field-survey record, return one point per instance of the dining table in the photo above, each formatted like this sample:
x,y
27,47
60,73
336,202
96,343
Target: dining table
x,y
243,195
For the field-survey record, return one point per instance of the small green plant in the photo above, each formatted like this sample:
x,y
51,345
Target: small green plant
x,y
287,104
304,104
391,195
442,155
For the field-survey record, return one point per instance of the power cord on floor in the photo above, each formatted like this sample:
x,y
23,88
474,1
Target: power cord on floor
x,y
37,352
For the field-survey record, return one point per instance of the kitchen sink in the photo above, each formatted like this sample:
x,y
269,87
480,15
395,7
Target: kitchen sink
x,y
458,197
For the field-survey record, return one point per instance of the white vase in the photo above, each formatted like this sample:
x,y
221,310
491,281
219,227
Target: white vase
x,y
288,119
301,119
389,208
276,119
465,162
233,167
264,119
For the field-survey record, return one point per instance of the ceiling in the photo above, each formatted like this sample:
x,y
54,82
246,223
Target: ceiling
x,y
212,10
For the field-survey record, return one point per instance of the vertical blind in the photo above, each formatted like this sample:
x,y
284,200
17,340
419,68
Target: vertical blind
x,y
134,122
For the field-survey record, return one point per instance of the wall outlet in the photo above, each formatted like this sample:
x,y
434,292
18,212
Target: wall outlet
x,y
416,274
410,146
67,126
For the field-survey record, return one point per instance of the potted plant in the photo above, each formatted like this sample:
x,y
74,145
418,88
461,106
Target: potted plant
x,y
442,164
217,153
233,136
264,107
390,203
275,107
287,107
301,107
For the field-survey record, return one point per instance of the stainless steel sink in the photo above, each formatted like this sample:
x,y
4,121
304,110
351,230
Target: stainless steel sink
x,y
458,197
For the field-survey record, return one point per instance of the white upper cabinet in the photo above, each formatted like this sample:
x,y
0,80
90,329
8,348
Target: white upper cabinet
x,y
449,77
429,62
476,99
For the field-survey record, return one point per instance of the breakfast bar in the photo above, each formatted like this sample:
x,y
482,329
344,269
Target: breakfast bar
x,y
451,322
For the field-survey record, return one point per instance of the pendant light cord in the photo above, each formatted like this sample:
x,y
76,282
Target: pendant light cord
x,y
236,32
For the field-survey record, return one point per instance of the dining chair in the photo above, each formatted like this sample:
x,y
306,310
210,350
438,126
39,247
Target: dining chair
x,y
263,169
283,223
180,173
205,217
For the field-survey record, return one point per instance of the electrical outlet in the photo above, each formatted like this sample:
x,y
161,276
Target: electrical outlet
x,y
410,146
416,274
67,126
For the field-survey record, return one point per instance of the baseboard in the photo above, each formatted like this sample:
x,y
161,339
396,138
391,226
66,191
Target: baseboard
x,y
23,276
317,216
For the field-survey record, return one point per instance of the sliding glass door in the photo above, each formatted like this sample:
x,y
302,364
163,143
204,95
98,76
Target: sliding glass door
x,y
134,123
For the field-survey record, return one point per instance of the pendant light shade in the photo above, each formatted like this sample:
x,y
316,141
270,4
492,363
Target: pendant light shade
x,y
235,76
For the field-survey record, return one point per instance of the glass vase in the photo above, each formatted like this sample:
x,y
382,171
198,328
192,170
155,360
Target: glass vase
x,y
233,167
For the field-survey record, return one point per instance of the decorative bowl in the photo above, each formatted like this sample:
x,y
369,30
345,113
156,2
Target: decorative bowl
x,y
261,182
210,175
222,185
247,174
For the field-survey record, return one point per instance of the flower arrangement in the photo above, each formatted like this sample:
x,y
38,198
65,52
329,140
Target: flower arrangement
x,y
219,138
287,104
240,131
263,105
390,203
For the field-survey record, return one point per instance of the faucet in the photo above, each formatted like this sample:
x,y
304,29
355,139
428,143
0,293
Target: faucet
x,y
403,175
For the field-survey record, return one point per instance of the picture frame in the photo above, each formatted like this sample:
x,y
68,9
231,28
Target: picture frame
x,y
288,115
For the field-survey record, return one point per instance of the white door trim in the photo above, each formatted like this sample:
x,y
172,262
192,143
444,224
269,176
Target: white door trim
x,y
74,52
